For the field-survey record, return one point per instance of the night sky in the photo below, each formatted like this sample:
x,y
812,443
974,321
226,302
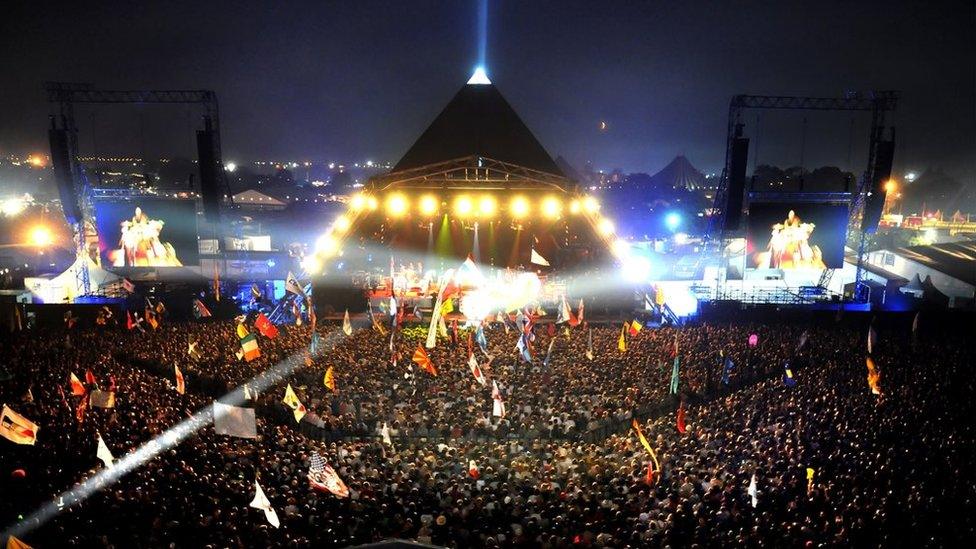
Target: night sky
x,y
361,79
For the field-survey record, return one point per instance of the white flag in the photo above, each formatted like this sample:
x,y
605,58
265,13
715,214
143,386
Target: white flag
x,y
292,285
385,431
753,491
103,453
538,259
234,420
346,324
261,502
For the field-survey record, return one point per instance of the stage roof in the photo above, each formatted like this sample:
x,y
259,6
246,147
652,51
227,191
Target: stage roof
x,y
956,259
478,122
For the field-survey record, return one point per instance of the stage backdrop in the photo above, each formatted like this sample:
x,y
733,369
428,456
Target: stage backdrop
x,y
147,232
796,235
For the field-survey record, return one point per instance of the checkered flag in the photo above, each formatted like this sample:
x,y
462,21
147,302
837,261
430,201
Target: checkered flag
x,y
317,464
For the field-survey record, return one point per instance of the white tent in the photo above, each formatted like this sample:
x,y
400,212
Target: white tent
x,y
65,287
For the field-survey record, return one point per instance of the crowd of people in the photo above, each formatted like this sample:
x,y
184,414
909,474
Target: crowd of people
x,y
818,460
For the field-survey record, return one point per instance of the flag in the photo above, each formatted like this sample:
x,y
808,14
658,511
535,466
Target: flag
x,y
385,433
200,310
441,327
498,404
128,286
537,259
265,326
16,428
872,338
476,370
90,377
77,388
14,543
803,340
234,421
589,344
346,324
81,409
644,443
261,502
479,336
622,341
103,453
649,476
675,375
249,344
874,377
635,327
680,423
102,399
291,285
473,470
247,393
788,378
564,313
323,478
151,318
255,292
329,379
552,342
291,400
447,307
727,368
160,308
914,329
810,473
575,321
753,491
192,351
180,384
423,360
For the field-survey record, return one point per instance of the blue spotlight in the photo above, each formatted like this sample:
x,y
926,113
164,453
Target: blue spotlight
x,y
672,221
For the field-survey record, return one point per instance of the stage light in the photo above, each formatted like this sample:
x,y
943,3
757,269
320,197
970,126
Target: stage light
x,y
911,176
487,206
520,206
636,269
41,236
591,205
230,167
680,238
479,77
36,160
620,248
312,264
890,186
327,245
428,205
575,206
682,302
551,207
672,221
396,205
13,206
371,202
341,224
463,206
358,202
605,226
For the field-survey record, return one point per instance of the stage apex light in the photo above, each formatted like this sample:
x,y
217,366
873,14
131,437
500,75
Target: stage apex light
x,y
672,221
428,205
591,205
487,206
605,226
575,207
552,207
396,205
358,202
41,236
341,224
479,77
520,206
463,206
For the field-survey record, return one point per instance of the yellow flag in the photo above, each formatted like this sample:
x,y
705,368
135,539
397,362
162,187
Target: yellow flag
x,y
622,342
447,306
874,377
647,445
330,379
241,331
291,400
14,543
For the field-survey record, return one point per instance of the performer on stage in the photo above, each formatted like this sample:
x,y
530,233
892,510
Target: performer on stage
x,y
789,246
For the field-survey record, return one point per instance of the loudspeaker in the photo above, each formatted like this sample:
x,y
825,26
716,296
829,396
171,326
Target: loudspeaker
x,y
881,172
61,161
210,192
737,183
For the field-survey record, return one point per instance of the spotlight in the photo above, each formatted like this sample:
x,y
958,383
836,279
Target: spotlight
x,y
327,245
357,202
396,205
605,226
520,206
575,206
463,206
428,205
487,206
41,237
551,207
341,224
636,268
371,202
13,206
620,248
312,264
672,221
590,205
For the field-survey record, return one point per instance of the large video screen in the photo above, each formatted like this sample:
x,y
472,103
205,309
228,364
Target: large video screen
x,y
797,235
147,232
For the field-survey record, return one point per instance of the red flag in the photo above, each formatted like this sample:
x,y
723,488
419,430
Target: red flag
x,y
423,360
111,383
681,418
80,410
129,323
551,330
265,326
473,469
90,378
77,389
649,477
180,384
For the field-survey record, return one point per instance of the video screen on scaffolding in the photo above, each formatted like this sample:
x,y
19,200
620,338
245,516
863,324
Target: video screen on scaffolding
x,y
796,235
147,232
